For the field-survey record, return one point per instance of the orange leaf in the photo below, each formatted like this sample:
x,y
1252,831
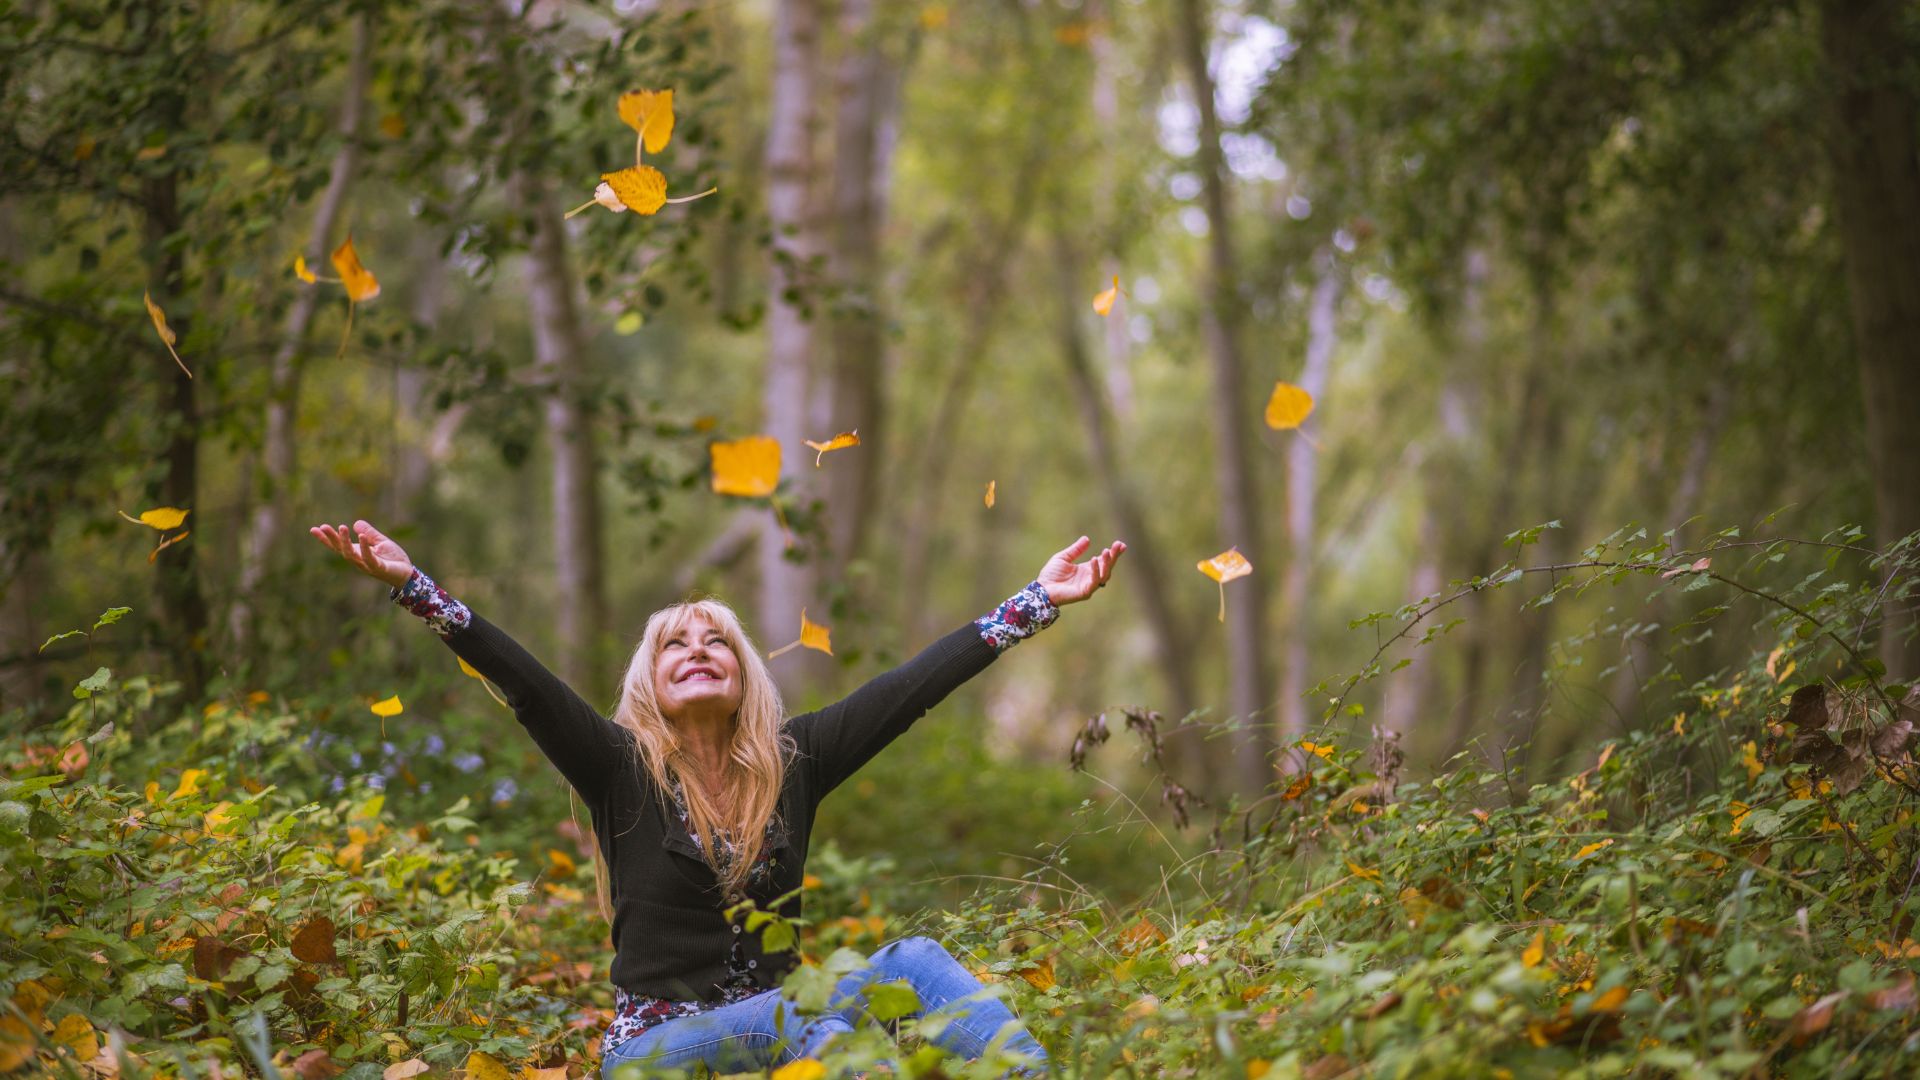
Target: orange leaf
x,y
300,270
1103,303
813,635
1612,999
166,332
989,499
563,864
838,442
641,189
1040,976
649,112
1591,848
1226,566
313,942
359,281
1536,951
1289,406
749,467
1298,787
1362,872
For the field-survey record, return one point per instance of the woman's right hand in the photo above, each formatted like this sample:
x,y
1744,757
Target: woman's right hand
x,y
375,555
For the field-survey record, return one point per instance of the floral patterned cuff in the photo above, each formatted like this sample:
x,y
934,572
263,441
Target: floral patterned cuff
x,y
429,601
1022,615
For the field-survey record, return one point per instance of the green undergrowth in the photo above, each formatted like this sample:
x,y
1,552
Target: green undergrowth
x,y
1724,890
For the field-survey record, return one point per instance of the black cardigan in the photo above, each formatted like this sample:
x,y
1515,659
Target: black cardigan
x,y
670,937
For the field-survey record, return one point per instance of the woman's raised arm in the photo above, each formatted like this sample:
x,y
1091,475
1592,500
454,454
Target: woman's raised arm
x,y
835,741
573,734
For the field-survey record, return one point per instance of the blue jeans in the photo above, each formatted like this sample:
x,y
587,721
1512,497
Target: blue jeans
x,y
767,1030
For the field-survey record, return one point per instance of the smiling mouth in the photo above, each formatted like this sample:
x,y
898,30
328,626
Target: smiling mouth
x,y
700,675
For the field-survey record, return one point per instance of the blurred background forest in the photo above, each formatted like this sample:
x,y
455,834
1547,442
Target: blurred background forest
x,y
1637,264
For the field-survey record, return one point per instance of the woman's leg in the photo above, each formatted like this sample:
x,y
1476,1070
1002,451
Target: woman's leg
x,y
752,1034
946,991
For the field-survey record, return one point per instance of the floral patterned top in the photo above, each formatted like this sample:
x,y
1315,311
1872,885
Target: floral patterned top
x,y
1020,616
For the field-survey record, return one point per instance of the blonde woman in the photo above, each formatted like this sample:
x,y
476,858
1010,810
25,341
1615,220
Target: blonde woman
x,y
703,796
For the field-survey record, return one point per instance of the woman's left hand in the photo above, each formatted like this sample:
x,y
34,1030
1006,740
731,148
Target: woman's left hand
x,y
1067,582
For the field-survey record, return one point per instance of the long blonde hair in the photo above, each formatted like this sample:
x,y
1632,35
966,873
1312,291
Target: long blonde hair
x,y
757,756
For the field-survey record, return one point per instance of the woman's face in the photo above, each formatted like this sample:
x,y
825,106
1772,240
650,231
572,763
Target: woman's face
x,y
696,674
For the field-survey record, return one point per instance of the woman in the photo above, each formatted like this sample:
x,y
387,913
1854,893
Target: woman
x,y
703,798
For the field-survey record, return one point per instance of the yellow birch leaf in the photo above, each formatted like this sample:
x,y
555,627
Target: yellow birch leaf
x,y
1226,566
300,270
800,1069
749,467
189,784
649,112
467,668
1362,872
989,498
1591,848
160,517
1536,951
838,442
1612,999
1323,751
1288,407
359,281
389,707
153,791
77,1035
563,864
1103,303
813,635
219,820
1739,810
402,1070
166,332
482,1066
1750,757
641,189
1040,976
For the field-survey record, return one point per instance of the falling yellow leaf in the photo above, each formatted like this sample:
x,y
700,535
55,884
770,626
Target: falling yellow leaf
x,y
160,517
1612,999
1223,568
1535,952
641,189
166,332
467,668
649,112
1591,848
485,1067
1362,872
989,498
800,1069
749,467
389,707
563,864
1257,1068
813,635
1288,407
360,283
77,1035
1103,303
167,543
300,270
838,442
1323,751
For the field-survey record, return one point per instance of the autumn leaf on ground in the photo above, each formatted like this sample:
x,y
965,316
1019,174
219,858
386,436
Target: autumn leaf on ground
x,y
77,1035
313,941
801,1069
1362,872
1223,568
1103,303
649,112
402,1070
1536,951
838,442
1288,407
166,332
989,497
482,1066
812,635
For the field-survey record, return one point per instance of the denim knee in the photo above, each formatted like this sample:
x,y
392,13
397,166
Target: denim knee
x,y
914,950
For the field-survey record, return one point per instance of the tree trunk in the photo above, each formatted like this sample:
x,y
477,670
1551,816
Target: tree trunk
x,y
1233,459
183,606
280,441
1323,334
560,358
862,164
787,584
1170,632
1874,146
